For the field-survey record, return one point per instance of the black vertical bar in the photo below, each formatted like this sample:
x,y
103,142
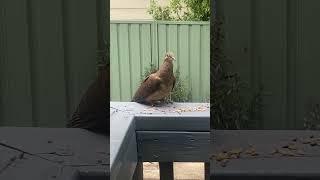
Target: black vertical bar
x,y
207,170
166,170
138,173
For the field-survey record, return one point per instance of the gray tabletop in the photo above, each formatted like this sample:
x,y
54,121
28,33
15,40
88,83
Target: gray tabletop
x,y
128,118
265,153
177,116
52,153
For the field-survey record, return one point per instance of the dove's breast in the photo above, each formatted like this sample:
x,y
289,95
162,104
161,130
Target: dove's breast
x,y
163,92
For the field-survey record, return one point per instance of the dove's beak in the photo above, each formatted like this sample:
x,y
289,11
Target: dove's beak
x,y
174,58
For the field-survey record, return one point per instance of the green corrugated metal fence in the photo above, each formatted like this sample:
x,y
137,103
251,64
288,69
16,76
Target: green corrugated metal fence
x,y
275,45
47,58
134,45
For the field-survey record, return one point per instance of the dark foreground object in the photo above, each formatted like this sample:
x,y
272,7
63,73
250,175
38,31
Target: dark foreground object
x,y
53,153
91,113
298,155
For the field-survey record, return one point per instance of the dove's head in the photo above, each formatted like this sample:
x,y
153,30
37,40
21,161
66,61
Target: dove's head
x,y
169,57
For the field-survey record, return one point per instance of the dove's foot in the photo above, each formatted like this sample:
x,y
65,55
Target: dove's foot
x,y
167,101
170,101
161,102
156,103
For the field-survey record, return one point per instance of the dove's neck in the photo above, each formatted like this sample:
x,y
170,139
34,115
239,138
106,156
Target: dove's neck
x,y
166,69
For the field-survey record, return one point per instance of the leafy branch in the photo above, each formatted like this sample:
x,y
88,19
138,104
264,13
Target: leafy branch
x,y
181,10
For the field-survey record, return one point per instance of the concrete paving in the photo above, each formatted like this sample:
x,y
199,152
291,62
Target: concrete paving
x,y
182,171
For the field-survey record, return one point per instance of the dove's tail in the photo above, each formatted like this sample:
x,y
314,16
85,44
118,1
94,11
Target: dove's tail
x,y
140,101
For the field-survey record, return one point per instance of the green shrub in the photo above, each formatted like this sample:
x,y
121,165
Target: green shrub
x,y
233,104
312,120
180,92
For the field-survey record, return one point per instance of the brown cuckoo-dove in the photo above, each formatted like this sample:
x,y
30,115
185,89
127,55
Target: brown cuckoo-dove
x,y
157,86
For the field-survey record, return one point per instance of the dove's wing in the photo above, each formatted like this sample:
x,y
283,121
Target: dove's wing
x,y
174,83
148,87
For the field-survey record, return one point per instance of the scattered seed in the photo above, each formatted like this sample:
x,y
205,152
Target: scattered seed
x,y
286,153
306,141
224,162
250,151
234,156
275,151
221,156
300,152
292,147
236,151
313,144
